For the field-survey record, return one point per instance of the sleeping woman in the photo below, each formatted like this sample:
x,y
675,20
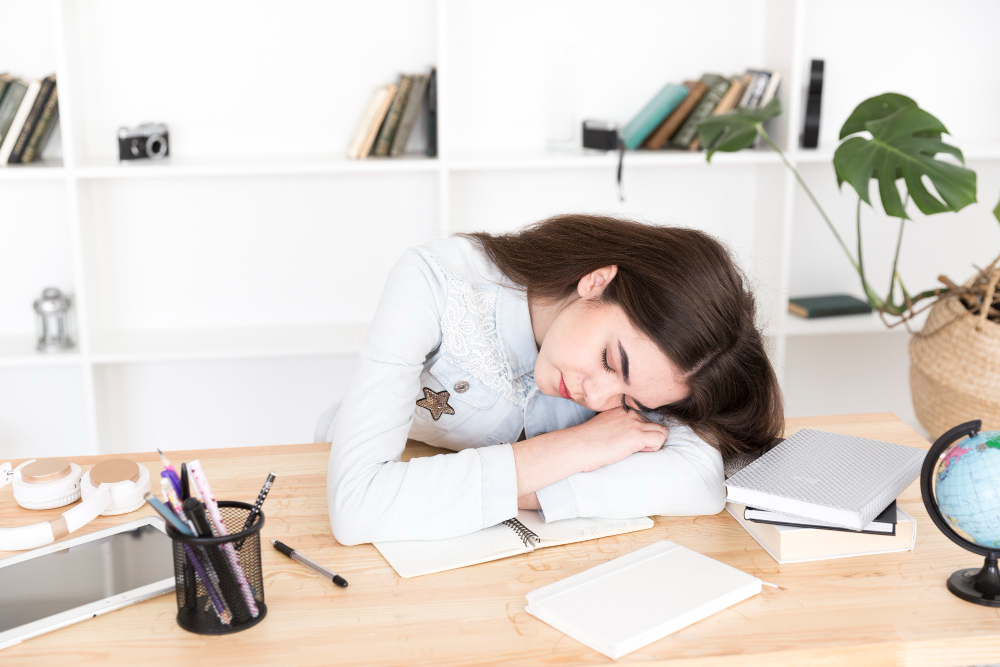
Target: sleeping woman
x,y
583,366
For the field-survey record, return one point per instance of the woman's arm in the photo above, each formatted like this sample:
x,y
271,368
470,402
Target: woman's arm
x,y
372,494
684,477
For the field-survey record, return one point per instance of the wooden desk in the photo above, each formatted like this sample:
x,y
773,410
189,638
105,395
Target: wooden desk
x,y
886,609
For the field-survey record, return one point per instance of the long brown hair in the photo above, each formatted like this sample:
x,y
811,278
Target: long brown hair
x,y
681,288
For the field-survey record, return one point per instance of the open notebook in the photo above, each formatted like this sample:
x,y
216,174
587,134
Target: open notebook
x,y
412,558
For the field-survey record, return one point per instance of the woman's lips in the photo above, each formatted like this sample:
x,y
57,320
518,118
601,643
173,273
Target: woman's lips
x,y
563,391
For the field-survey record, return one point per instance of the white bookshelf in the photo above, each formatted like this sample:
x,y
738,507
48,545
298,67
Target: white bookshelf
x,y
222,295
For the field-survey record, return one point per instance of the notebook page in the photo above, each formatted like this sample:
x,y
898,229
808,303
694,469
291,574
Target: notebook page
x,y
412,558
568,531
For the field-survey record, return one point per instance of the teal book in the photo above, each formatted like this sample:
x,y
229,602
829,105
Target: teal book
x,y
654,113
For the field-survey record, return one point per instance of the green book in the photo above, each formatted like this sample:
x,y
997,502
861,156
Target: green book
x,y
717,87
654,113
9,104
392,118
31,122
42,130
414,101
828,305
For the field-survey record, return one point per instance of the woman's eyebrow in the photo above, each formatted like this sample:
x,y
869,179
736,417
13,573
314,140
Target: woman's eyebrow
x,y
624,358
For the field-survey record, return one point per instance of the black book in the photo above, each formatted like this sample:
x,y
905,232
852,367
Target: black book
x,y
828,305
432,114
883,524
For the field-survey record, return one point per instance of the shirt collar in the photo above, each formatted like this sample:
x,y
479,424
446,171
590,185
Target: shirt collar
x,y
514,328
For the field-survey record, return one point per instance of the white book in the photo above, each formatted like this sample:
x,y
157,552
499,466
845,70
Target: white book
x,y
371,121
413,558
837,479
18,123
794,544
631,601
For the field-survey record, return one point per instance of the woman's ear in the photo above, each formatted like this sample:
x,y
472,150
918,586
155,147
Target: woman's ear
x,y
593,284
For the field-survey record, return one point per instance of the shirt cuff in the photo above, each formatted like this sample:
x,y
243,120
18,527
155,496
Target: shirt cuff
x,y
499,483
558,501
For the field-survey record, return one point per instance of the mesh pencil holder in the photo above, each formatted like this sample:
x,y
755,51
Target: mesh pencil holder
x,y
220,588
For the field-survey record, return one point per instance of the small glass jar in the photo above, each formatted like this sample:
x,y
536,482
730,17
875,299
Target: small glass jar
x,y
53,321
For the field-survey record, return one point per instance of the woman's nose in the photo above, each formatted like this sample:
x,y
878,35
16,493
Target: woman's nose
x,y
600,394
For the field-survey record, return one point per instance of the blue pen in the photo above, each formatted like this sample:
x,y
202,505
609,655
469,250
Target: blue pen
x,y
168,515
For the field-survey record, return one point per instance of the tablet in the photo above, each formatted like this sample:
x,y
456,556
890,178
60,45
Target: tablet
x,y
66,582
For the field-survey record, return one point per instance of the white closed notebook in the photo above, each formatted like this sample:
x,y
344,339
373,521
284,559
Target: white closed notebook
x,y
627,603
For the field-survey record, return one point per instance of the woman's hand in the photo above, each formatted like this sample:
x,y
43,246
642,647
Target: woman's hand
x,y
613,435
608,437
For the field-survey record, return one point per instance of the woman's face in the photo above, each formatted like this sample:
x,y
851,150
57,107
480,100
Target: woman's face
x,y
593,355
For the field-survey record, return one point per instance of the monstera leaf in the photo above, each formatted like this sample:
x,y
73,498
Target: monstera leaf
x,y
904,142
735,130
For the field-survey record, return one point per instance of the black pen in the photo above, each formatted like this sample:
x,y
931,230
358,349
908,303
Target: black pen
x,y
256,506
310,563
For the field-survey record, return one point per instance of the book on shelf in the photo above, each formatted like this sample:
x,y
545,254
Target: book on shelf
x,y
837,479
883,524
14,92
727,103
432,109
652,114
626,603
392,118
755,89
17,123
828,305
31,121
371,121
414,101
659,138
43,131
717,87
523,534
773,81
792,544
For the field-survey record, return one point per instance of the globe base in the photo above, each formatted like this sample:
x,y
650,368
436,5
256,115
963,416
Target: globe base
x,y
980,586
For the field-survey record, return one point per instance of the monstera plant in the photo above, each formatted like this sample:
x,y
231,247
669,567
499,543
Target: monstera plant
x,y
889,139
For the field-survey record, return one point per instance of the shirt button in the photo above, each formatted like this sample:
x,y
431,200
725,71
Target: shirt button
x,y
461,386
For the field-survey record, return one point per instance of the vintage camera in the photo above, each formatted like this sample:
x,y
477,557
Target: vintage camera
x,y
145,142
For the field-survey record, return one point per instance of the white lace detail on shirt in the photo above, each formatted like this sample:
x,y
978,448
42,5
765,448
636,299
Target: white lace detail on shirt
x,y
470,339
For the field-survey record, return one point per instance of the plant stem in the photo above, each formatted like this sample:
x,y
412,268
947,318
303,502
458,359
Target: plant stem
x,y
767,138
891,298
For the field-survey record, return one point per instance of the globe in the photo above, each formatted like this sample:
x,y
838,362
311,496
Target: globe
x,y
967,488
960,486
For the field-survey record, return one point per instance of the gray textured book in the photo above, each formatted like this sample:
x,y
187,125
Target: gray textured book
x,y
839,479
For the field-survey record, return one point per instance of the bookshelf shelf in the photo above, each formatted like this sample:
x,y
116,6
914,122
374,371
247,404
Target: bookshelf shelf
x,y
41,170
588,159
19,352
848,324
249,342
173,167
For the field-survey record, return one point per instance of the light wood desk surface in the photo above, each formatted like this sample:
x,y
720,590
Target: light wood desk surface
x,y
887,609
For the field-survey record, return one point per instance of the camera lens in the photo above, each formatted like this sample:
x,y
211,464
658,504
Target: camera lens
x,y
156,147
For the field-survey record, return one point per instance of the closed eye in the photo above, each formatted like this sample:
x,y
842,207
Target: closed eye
x,y
604,361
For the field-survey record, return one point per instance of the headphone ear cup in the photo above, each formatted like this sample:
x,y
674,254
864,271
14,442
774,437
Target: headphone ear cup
x,y
49,495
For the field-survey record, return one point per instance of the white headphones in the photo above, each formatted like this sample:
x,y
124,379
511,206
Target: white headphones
x,y
114,486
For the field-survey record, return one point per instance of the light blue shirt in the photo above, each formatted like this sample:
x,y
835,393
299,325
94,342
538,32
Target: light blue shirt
x,y
449,321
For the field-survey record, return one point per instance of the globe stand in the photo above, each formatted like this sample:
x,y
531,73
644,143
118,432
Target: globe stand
x,y
980,586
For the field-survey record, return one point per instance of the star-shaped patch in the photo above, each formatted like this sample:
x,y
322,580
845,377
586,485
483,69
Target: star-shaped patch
x,y
436,402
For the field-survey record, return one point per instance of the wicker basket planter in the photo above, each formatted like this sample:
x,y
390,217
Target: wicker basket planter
x,y
955,369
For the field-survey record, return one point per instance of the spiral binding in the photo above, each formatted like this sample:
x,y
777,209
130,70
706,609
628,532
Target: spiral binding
x,y
522,531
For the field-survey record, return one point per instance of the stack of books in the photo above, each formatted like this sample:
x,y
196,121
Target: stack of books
x,y
391,114
670,120
820,495
28,112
